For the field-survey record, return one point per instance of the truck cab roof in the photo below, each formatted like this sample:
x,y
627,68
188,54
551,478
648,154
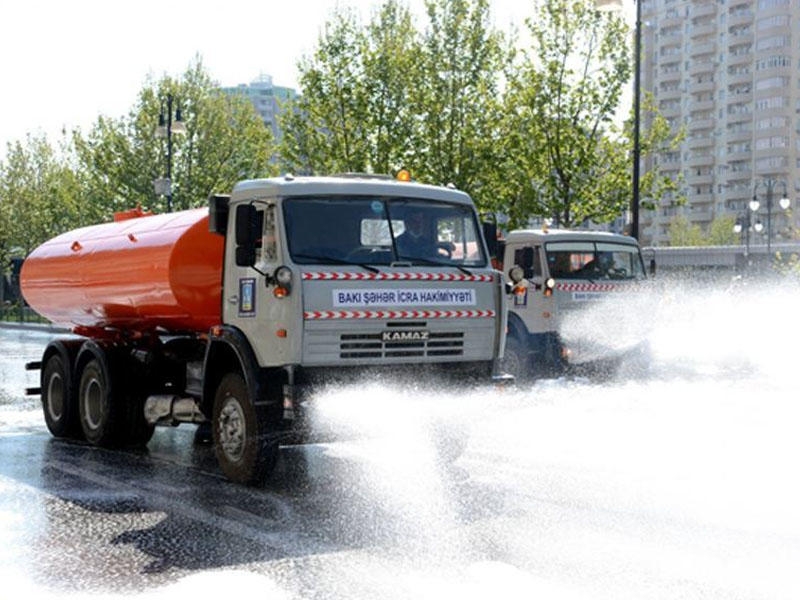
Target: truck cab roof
x,y
560,235
360,185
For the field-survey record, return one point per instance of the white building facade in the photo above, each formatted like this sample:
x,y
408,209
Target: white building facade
x,y
728,71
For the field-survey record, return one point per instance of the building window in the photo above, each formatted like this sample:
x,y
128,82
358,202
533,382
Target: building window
x,y
774,21
775,41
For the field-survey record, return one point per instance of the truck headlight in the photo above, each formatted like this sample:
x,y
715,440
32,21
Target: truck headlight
x,y
516,274
283,282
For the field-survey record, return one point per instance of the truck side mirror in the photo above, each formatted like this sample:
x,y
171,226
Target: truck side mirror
x,y
246,234
490,235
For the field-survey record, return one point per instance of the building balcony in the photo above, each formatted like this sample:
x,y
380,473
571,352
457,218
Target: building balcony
x,y
701,31
707,179
670,112
670,94
701,124
738,117
739,135
700,161
671,39
703,86
704,9
702,49
669,76
742,18
700,68
697,143
776,153
701,106
741,155
737,78
742,38
741,97
699,215
671,21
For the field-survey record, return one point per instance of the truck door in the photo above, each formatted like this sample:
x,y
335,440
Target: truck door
x,y
534,305
249,301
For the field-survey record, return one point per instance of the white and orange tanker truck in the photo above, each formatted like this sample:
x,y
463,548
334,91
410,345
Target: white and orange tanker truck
x,y
229,315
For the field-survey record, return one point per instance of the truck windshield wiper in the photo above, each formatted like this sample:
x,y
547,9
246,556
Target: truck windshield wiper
x,y
332,260
427,261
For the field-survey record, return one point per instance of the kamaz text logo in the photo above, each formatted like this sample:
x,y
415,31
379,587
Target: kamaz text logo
x,y
405,336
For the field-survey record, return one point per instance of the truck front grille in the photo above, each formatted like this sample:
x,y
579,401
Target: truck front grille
x,y
401,340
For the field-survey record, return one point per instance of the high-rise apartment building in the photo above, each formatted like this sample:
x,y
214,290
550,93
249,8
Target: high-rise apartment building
x,y
729,72
268,100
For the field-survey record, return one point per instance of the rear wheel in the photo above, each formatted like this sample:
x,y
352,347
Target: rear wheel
x,y
58,400
98,409
245,450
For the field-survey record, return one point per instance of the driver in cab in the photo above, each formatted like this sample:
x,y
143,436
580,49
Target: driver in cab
x,y
418,240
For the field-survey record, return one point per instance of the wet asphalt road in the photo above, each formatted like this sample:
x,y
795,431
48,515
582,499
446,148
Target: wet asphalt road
x,y
676,487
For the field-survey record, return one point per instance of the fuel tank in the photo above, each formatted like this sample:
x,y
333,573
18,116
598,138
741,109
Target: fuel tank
x,y
139,274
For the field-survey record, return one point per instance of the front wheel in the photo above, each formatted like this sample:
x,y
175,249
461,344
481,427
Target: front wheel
x,y
244,448
516,359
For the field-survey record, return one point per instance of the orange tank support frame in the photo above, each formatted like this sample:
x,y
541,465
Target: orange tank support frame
x,y
136,274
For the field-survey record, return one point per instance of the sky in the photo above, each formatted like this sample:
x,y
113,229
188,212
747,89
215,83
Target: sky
x,y
64,63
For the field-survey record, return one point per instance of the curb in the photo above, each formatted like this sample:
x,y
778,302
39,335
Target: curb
x,y
43,327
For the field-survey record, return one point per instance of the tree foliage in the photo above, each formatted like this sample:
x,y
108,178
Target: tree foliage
x,y
387,95
113,166
457,99
683,232
563,98
39,197
225,141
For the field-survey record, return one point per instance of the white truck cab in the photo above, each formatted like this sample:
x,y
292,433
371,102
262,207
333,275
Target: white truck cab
x,y
563,285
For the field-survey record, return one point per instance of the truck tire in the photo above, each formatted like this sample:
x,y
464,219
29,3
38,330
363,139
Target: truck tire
x,y
58,399
245,450
136,430
98,410
516,360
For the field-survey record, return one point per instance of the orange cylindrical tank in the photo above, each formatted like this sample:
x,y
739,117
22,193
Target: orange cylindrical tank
x,y
162,271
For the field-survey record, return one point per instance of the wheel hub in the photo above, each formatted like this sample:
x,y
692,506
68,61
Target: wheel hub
x,y
55,397
232,429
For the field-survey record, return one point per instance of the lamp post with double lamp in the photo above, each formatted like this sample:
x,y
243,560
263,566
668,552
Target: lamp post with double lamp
x,y
166,128
784,203
744,224
615,6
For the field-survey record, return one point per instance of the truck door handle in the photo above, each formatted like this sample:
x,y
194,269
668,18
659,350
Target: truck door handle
x,y
233,299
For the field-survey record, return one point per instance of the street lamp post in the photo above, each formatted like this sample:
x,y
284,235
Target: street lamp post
x,y
784,203
166,128
744,223
616,5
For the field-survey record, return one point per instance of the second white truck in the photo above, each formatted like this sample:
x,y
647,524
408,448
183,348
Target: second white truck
x,y
571,294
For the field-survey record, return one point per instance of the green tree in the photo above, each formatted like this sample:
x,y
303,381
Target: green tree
x,y
354,113
325,128
39,196
569,159
457,99
225,141
564,96
721,233
684,233
383,96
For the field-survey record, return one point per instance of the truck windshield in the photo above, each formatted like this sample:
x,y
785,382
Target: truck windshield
x,y
594,260
381,231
